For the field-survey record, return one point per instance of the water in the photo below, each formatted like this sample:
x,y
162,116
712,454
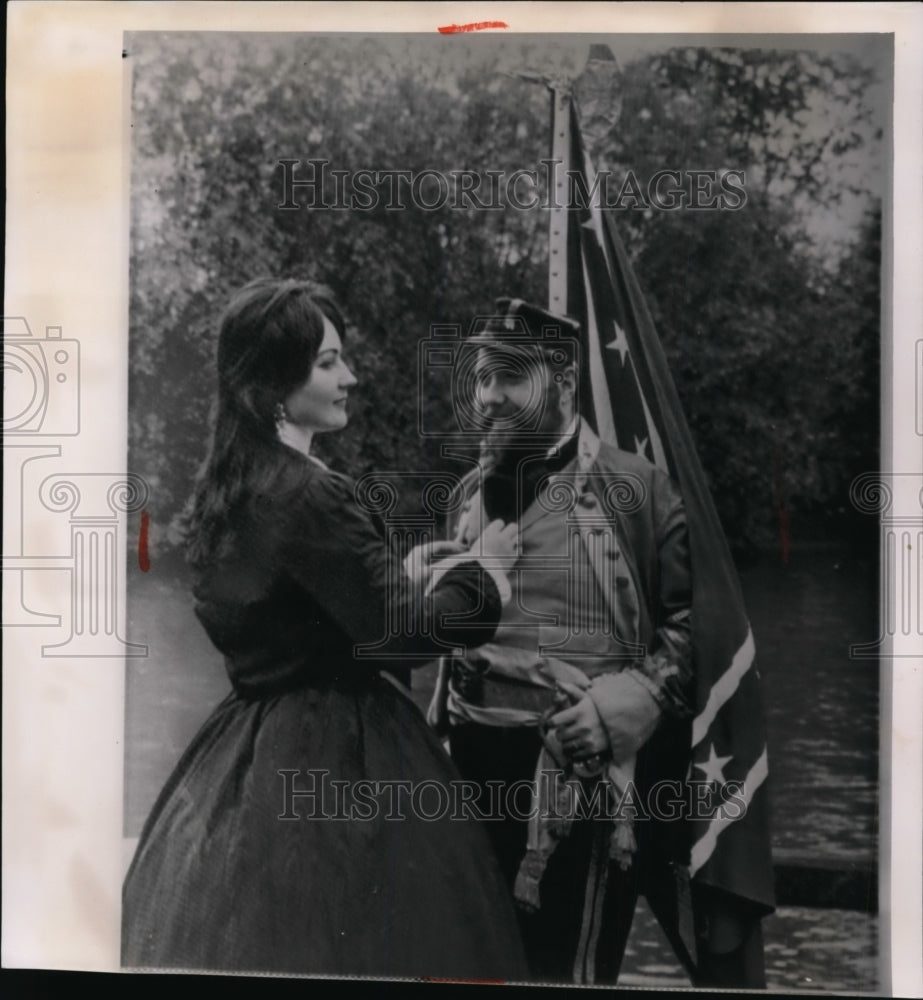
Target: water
x,y
821,706
806,949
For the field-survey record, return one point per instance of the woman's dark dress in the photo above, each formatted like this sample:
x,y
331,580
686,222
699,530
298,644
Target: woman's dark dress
x,y
219,880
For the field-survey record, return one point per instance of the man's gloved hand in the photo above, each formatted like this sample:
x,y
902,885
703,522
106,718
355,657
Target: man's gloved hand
x,y
628,711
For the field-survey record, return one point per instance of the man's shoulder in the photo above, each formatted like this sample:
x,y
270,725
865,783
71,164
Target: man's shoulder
x,y
650,481
612,459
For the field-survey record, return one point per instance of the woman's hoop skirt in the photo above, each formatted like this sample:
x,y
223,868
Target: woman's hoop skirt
x,y
235,869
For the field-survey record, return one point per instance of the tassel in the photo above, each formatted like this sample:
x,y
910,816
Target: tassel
x,y
622,843
528,879
561,818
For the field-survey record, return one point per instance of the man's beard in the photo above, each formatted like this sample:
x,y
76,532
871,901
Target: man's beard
x,y
506,445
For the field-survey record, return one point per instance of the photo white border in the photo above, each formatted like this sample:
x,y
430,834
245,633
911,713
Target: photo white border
x,y
67,266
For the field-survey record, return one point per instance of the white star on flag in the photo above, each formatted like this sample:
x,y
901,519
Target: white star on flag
x,y
713,768
594,224
618,342
591,278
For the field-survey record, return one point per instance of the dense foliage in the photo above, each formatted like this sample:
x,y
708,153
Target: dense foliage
x,y
773,335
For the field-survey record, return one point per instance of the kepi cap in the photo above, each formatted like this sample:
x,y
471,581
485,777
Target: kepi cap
x,y
522,328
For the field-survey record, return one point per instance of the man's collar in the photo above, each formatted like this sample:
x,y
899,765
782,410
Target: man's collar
x,y
565,437
587,444
588,447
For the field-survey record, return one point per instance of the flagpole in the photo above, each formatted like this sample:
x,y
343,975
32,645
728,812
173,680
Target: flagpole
x,y
557,239
590,278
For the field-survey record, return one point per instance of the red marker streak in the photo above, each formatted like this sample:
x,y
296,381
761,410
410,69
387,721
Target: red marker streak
x,y
453,29
144,560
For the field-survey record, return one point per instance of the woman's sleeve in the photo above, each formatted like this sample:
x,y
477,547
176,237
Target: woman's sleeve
x,y
335,553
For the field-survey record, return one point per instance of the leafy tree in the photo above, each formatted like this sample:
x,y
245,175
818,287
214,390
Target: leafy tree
x,y
211,124
772,338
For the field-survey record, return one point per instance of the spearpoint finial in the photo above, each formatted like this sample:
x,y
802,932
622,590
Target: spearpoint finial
x,y
599,93
553,81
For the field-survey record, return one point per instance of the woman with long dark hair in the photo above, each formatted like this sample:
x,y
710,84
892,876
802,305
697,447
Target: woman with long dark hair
x,y
294,834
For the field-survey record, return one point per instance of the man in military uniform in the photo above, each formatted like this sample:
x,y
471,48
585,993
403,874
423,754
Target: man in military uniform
x,y
589,679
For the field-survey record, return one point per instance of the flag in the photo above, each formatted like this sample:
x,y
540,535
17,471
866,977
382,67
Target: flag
x,y
627,393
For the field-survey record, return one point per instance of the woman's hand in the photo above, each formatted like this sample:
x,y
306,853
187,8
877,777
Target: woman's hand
x,y
496,550
418,563
499,543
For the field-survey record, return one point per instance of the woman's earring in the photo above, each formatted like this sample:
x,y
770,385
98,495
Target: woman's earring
x,y
279,415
